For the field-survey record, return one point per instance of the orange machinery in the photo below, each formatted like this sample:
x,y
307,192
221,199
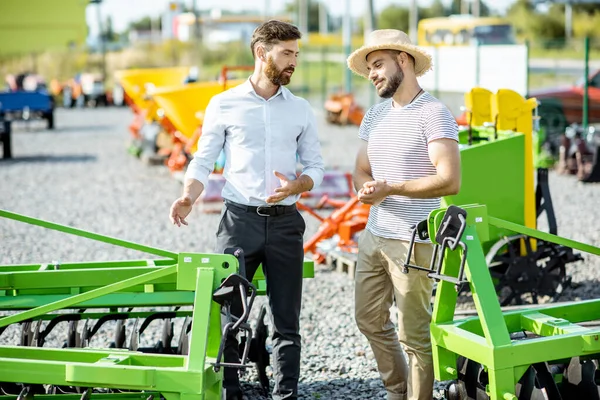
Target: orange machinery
x,y
349,218
342,109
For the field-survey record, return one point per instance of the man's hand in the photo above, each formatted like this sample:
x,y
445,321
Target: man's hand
x,y
374,192
180,209
288,188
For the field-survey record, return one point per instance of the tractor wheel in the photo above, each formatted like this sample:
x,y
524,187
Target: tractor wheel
x,y
5,135
553,120
49,117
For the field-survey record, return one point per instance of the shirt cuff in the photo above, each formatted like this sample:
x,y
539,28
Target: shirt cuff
x,y
198,175
315,174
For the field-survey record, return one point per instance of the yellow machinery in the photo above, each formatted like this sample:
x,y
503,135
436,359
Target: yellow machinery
x,y
140,83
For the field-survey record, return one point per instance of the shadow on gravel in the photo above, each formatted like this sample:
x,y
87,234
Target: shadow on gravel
x,y
66,158
86,128
40,127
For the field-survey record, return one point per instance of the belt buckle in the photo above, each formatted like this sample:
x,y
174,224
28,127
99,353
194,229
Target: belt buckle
x,y
259,213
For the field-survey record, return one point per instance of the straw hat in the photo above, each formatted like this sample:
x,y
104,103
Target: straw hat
x,y
388,39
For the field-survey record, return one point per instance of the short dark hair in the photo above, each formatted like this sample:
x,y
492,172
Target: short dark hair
x,y
273,32
395,53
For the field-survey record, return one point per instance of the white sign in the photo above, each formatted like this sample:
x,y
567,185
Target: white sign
x,y
461,68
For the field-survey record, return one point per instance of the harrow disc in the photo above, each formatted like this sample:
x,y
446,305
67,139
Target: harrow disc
x,y
524,278
536,384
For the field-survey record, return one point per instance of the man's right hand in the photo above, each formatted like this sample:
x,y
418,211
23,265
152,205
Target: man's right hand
x,y
180,209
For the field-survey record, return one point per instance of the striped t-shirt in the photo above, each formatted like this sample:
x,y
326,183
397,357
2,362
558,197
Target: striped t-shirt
x,y
397,150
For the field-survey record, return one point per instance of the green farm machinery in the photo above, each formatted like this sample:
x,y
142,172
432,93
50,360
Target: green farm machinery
x,y
544,352
497,162
197,289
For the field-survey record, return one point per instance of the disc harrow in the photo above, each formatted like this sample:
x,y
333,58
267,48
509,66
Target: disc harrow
x,y
547,352
136,329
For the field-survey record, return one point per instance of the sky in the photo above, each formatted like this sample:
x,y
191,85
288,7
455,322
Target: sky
x,y
124,11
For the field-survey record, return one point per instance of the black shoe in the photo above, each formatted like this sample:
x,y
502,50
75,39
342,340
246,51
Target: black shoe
x,y
233,394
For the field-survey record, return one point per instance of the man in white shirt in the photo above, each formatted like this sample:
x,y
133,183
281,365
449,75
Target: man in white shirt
x,y
264,130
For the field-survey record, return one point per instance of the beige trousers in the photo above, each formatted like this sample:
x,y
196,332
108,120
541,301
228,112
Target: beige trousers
x,y
379,280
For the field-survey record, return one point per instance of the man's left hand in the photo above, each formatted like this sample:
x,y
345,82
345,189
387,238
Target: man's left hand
x,y
374,192
288,188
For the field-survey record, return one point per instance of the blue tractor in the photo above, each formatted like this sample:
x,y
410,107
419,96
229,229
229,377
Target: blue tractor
x,y
27,99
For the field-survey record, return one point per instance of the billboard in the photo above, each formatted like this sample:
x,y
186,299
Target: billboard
x,y
33,26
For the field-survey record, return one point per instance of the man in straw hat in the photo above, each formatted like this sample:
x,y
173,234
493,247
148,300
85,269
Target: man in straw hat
x,y
408,158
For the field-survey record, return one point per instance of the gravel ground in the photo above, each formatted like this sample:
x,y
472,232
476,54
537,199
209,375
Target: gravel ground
x,y
81,175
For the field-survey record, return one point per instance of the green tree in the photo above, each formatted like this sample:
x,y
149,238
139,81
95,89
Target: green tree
x,y
436,9
393,17
145,24
109,32
455,8
313,14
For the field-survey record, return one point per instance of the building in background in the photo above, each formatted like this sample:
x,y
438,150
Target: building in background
x,y
168,25
217,28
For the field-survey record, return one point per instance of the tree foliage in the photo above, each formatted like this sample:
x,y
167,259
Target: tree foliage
x,y
313,13
145,24
547,26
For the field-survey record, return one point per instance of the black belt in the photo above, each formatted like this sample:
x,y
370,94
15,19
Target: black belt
x,y
264,211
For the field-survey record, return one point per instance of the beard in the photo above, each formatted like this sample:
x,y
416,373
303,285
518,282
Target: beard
x,y
393,83
276,75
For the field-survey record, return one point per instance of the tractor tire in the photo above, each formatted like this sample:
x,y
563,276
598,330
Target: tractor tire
x,y
5,137
553,120
49,117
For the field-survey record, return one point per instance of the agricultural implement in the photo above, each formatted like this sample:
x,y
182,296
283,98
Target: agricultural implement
x,y
497,163
187,292
543,352
138,85
182,108
342,109
25,105
579,153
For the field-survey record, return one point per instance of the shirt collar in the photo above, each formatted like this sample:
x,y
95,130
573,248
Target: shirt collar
x,y
247,87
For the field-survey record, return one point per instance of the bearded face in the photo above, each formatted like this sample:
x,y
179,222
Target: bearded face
x,y
276,75
387,86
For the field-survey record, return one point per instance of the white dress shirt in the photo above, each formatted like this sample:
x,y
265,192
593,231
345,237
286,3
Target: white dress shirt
x,y
258,137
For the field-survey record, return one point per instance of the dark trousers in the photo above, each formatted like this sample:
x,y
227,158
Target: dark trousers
x,y
276,242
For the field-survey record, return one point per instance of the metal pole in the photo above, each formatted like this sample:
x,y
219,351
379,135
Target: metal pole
x,y
197,33
323,20
101,39
527,67
476,8
586,82
464,7
347,39
568,21
369,19
414,16
303,19
323,64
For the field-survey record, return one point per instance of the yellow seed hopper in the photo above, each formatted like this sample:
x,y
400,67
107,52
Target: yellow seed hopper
x,y
138,84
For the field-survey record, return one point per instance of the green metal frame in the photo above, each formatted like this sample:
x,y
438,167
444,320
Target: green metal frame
x,y
36,291
485,338
488,169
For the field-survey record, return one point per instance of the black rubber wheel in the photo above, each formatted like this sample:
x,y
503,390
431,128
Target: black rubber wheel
x,y
5,137
50,118
553,120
